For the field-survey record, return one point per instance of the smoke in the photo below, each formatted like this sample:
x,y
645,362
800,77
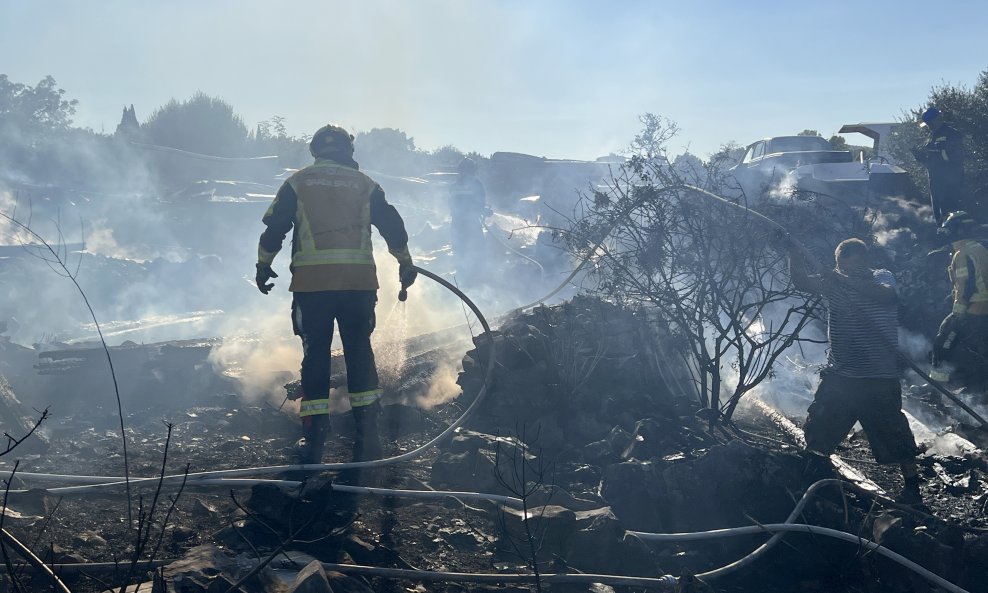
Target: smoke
x,y
442,388
261,362
789,389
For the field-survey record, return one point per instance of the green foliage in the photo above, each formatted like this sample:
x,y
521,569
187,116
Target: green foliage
x,y
656,132
389,150
839,143
965,109
201,124
810,133
447,156
270,137
34,111
129,126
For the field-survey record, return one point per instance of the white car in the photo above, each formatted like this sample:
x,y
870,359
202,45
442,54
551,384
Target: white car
x,y
779,166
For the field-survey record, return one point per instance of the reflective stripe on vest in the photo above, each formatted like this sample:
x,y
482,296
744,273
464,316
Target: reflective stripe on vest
x,y
365,398
333,256
313,407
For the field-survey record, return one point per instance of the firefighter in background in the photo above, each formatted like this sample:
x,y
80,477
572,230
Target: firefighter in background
x,y
960,342
331,206
467,209
943,156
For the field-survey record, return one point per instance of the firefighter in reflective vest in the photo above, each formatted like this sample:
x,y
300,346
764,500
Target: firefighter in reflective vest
x,y
960,343
331,206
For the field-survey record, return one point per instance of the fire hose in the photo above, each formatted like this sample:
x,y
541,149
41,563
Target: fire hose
x,y
813,262
506,245
778,529
109,482
489,367
665,581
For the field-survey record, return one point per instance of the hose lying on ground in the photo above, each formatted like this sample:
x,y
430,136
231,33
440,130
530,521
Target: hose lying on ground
x,y
812,260
111,482
666,581
36,563
780,529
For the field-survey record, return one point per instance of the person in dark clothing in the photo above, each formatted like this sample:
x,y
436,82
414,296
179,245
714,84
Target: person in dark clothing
x,y
467,208
943,156
331,205
861,380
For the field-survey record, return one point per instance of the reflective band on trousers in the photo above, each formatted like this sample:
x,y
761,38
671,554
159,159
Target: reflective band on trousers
x,y
940,376
333,256
364,398
313,407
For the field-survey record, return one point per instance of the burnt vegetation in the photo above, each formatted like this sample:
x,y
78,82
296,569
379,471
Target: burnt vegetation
x,y
635,407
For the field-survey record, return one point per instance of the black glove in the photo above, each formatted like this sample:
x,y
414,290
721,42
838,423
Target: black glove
x,y
407,274
264,273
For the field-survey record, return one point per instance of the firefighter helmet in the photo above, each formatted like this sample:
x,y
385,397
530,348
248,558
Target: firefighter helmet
x,y
331,140
958,225
929,116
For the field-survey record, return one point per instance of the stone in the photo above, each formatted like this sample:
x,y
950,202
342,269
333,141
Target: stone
x,y
342,583
551,526
601,545
731,485
88,539
311,579
468,471
628,487
209,569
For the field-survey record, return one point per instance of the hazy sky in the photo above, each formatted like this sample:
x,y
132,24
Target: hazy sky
x,y
559,78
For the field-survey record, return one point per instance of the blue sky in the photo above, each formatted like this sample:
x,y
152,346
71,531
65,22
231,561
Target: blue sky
x,y
563,79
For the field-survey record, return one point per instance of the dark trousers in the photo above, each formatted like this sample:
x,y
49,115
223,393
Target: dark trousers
x,y
840,401
313,316
962,343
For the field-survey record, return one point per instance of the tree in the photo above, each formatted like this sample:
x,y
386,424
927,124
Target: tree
x,y
839,143
447,156
201,124
388,150
128,125
703,267
271,137
34,111
810,133
964,108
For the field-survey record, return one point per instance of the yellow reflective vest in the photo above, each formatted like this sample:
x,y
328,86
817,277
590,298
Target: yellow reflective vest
x,y
968,272
332,218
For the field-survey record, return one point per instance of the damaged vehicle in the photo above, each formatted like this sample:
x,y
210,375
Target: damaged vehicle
x,y
778,166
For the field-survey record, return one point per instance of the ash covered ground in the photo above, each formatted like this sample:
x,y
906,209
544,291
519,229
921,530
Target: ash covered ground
x,y
588,417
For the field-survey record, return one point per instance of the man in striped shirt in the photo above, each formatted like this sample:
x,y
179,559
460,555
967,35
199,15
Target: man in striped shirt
x,y
861,380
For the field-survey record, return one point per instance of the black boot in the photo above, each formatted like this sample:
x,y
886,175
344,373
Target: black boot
x,y
367,441
309,449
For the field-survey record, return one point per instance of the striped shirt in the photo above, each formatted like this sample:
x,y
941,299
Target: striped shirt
x,y
863,333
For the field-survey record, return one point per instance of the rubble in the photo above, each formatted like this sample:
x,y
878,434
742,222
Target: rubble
x,y
581,399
